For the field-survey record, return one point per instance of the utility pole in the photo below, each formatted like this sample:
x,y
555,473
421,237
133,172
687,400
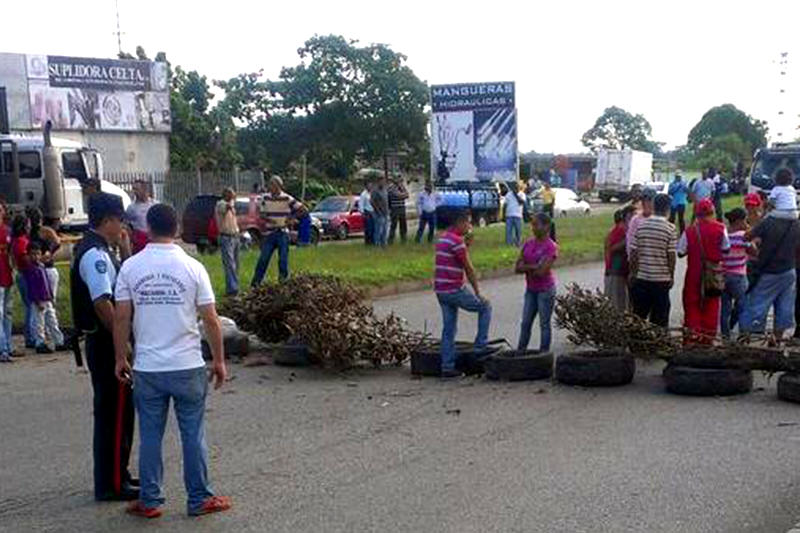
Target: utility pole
x,y
118,33
305,172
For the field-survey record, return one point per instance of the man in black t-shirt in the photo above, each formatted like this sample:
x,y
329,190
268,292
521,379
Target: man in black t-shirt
x,y
775,278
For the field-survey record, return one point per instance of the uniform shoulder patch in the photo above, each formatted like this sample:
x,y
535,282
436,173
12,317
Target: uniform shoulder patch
x,y
101,266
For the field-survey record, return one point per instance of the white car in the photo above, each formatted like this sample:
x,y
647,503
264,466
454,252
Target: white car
x,y
659,187
568,203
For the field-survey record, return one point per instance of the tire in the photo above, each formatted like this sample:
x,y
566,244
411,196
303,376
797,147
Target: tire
x,y
507,365
789,387
605,198
688,381
587,212
292,355
427,361
237,344
342,232
595,369
704,359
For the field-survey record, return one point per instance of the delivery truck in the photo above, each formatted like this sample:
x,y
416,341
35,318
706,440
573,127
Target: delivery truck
x,y
618,171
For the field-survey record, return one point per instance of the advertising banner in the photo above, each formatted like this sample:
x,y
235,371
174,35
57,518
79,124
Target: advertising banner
x,y
98,94
473,132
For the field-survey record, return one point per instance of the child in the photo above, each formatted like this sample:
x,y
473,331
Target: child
x,y
783,196
536,261
41,297
616,278
734,261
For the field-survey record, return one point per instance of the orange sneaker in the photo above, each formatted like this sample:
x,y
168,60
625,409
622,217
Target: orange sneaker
x,y
137,508
214,504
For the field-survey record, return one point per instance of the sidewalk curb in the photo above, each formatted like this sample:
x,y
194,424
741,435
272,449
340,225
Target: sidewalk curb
x,y
406,287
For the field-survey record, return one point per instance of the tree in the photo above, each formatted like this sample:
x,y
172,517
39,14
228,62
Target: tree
x,y
341,103
724,153
617,129
726,119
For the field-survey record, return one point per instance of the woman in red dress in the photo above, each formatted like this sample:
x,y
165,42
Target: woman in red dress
x,y
701,314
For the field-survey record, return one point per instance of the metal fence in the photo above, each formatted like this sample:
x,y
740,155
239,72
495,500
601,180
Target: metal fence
x,y
178,187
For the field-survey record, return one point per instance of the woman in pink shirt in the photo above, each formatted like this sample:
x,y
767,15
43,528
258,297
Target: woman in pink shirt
x,y
536,262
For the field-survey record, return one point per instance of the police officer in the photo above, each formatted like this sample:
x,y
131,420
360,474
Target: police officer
x,y
92,277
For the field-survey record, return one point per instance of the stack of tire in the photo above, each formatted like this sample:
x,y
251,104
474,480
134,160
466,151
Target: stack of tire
x,y
789,387
699,373
427,361
602,368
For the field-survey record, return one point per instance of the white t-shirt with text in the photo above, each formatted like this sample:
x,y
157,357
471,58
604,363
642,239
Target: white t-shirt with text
x,y
165,286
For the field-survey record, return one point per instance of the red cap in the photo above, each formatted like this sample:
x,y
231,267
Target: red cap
x,y
752,200
704,207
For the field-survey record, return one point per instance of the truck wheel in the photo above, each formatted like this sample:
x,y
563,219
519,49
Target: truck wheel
x,y
789,387
510,365
595,369
688,381
605,198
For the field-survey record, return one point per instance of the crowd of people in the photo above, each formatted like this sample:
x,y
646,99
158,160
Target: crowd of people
x,y
735,273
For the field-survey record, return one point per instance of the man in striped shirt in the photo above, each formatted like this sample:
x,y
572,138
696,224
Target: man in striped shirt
x,y
652,262
452,263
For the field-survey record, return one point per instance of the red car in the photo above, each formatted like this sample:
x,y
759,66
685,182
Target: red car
x,y
340,216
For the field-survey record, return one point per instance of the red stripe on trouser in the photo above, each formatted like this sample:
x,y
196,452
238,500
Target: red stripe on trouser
x,y
118,438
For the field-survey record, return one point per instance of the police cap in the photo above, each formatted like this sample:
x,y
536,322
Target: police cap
x,y
103,205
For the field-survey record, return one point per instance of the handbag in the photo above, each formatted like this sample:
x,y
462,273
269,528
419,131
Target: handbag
x,y
712,281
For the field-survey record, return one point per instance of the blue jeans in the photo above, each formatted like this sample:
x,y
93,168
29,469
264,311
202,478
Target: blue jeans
x,y
769,289
229,249
30,327
369,228
152,392
733,302
430,220
450,304
5,320
277,239
381,229
540,303
513,231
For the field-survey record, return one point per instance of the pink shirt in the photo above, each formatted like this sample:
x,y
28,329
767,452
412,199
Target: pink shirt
x,y
535,252
451,254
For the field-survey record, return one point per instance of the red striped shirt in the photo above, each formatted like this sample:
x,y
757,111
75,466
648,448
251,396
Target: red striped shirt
x,y
451,254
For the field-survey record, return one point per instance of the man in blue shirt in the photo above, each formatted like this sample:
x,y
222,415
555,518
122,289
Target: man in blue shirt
x,y
679,193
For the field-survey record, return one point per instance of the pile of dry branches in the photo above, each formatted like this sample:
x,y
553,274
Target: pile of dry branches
x,y
327,314
591,319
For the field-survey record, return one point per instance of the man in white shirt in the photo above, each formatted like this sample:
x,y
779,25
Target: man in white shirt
x,y
514,202
168,290
365,208
427,201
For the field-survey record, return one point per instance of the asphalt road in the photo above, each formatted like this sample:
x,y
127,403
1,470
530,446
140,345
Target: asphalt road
x,y
375,450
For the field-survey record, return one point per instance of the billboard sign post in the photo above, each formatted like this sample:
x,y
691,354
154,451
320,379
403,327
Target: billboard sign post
x,y
474,132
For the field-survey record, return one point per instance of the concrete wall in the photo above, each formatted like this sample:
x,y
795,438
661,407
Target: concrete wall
x,y
14,78
122,151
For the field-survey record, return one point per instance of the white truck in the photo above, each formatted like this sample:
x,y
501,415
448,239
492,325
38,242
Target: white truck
x,y
618,171
54,175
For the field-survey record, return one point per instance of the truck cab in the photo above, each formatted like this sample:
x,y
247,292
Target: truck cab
x,y
24,179
768,161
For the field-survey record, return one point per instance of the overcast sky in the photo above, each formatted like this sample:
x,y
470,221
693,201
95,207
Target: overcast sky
x,y
669,60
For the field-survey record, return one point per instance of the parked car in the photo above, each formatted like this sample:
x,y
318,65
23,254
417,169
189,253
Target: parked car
x,y
339,216
568,203
199,225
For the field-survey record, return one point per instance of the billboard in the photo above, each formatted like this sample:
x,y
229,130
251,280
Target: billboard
x,y
473,132
98,94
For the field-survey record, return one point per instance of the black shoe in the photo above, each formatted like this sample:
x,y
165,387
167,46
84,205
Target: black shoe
x,y
127,493
134,482
30,345
451,374
44,349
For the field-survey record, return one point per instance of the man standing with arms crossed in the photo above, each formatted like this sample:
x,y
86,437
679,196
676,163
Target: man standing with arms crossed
x,y
136,214
167,289
228,240
365,208
92,278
